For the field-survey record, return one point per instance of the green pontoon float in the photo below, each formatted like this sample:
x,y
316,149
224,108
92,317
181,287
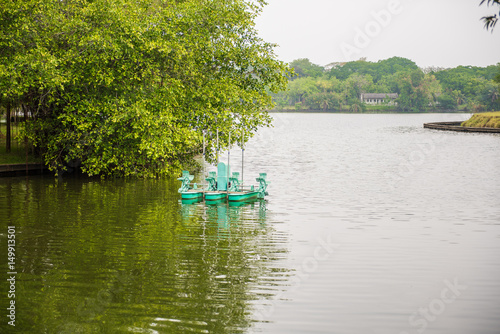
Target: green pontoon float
x,y
236,194
218,190
189,191
221,186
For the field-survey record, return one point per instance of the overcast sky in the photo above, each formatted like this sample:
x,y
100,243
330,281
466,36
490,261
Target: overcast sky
x,y
444,33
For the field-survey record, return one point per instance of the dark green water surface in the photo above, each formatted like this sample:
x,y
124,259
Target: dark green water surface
x,y
125,256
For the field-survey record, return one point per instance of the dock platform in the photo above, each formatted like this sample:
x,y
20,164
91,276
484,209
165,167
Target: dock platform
x,y
22,169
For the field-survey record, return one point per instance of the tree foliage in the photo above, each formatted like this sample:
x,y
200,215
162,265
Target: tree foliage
x,y
304,68
472,86
128,87
491,20
375,70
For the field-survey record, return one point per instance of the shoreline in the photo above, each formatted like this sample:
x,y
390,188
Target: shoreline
x,y
457,127
314,111
10,170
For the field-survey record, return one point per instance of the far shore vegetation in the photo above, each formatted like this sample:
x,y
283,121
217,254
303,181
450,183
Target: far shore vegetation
x,y
341,86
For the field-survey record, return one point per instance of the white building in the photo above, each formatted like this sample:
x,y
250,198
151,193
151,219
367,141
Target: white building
x,y
379,98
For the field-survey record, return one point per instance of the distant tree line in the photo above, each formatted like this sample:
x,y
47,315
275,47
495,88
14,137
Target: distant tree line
x,y
338,86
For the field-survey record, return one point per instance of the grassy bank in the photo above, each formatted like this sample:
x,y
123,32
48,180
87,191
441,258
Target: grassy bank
x,y
17,155
484,120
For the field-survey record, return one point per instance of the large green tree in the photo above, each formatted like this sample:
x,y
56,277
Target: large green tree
x,y
128,87
417,91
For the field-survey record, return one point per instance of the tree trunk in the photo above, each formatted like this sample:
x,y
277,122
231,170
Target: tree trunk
x,y
7,139
25,137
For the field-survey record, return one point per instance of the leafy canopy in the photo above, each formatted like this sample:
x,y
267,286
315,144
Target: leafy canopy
x,y
304,68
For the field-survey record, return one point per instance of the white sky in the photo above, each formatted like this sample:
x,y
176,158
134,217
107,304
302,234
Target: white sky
x,y
444,33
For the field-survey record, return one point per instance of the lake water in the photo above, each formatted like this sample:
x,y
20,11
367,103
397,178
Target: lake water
x,y
373,225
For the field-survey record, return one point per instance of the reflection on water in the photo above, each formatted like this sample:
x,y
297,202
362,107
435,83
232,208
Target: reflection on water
x,y
128,256
225,213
